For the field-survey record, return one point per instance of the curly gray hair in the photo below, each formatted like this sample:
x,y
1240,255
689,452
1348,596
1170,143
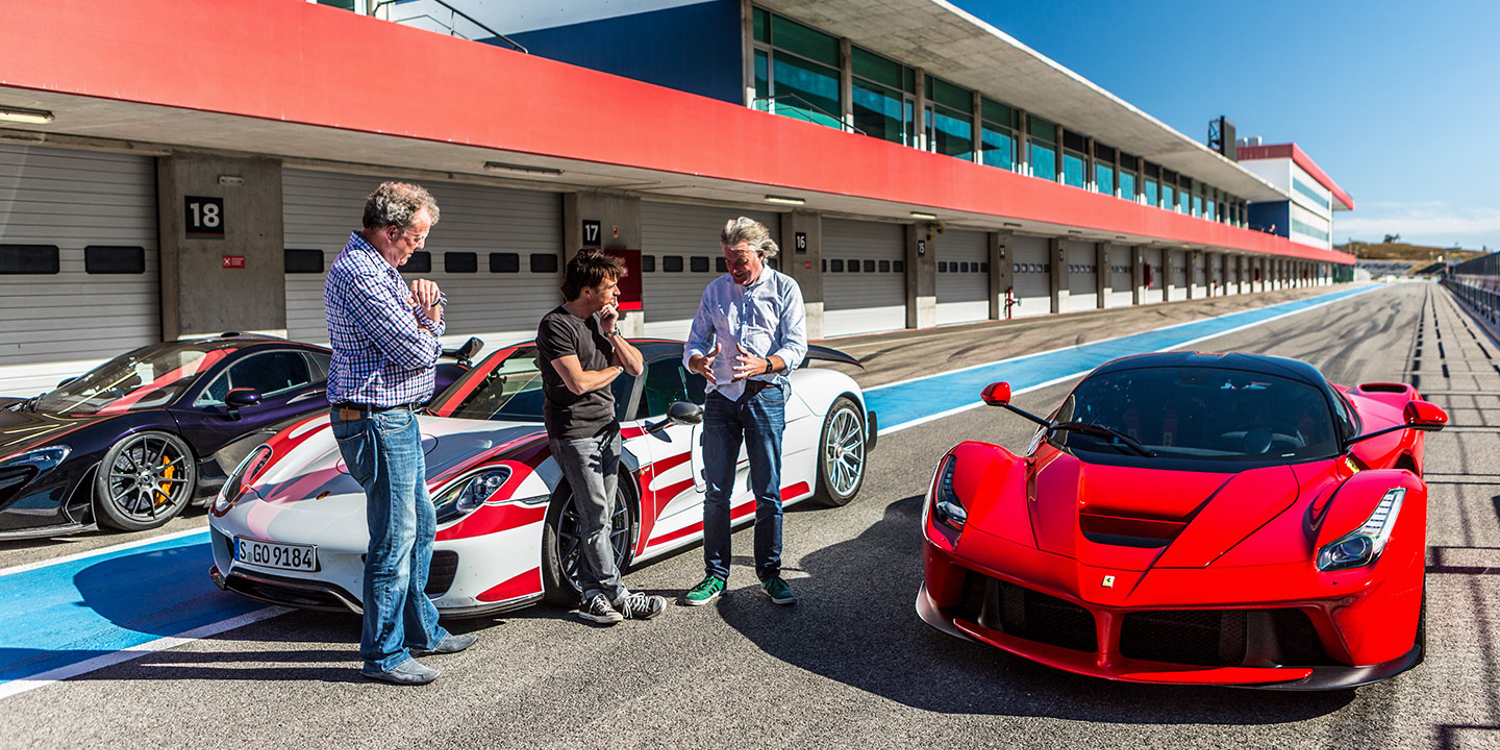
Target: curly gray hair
x,y
395,204
745,229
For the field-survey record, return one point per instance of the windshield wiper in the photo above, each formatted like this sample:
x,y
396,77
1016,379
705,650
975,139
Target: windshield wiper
x,y
1097,430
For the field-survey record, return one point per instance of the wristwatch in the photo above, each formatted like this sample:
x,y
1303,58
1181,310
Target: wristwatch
x,y
768,366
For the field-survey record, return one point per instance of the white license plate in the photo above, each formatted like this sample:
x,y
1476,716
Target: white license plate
x,y
279,556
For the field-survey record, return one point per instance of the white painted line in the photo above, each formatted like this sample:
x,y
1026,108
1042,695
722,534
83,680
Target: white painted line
x,y
24,684
967,407
101,551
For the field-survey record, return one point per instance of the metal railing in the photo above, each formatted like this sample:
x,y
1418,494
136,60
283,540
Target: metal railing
x,y
1481,293
801,111
451,25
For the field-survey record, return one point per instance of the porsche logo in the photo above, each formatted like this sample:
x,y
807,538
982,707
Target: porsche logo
x,y
1109,582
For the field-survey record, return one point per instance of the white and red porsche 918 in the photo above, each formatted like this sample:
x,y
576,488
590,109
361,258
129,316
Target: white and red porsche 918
x,y
289,525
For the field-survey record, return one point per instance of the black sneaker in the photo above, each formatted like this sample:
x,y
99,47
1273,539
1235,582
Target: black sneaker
x,y
639,606
598,609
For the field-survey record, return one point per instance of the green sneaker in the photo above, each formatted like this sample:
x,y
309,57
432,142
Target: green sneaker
x,y
777,591
706,591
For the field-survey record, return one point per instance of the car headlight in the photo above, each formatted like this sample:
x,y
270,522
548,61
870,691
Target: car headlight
x,y
41,459
947,509
248,470
468,493
1364,545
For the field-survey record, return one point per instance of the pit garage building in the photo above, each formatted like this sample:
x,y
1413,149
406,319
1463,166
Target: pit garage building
x,y
173,168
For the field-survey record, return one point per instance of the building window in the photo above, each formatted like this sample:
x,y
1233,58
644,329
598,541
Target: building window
x,y
950,119
109,259
294,261
1309,230
1127,176
1104,169
798,76
1042,153
884,102
505,262
1309,192
461,262
998,140
1075,162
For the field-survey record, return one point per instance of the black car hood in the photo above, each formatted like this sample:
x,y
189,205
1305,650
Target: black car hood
x,y
22,429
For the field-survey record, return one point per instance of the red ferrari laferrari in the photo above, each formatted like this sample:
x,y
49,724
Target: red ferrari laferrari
x,y
1188,518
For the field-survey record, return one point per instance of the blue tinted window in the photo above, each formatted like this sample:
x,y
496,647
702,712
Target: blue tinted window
x,y
806,91
1151,193
1168,198
879,111
952,133
1127,186
999,148
1043,161
1073,169
1104,179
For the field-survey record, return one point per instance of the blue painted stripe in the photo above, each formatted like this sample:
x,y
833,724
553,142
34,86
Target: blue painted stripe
x,y
58,615
72,611
898,404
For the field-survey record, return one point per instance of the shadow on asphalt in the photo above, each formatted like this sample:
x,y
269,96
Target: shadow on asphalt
x,y
855,622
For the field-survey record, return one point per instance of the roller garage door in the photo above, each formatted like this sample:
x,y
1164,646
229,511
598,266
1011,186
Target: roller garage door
x,y
78,262
495,252
864,277
1232,275
963,277
1120,279
1083,276
1031,272
1177,260
680,254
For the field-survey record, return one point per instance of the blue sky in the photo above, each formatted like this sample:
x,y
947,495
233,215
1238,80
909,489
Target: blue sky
x,y
1395,100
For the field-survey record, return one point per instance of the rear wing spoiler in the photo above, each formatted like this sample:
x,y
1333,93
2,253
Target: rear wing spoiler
x,y
831,355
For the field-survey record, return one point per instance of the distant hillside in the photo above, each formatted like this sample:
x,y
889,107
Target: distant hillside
x,y
1403,251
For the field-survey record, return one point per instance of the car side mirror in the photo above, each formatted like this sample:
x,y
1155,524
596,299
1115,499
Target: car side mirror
x,y
465,354
1425,415
996,394
681,412
65,381
238,398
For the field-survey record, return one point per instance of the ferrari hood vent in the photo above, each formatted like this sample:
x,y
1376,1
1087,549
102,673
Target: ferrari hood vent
x,y
1117,508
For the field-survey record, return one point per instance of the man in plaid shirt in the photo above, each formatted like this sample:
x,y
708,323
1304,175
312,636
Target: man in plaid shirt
x,y
384,337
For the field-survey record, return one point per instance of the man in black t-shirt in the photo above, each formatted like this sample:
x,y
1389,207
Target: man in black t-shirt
x,y
583,353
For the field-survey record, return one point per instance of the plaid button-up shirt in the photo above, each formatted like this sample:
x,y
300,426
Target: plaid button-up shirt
x,y
384,347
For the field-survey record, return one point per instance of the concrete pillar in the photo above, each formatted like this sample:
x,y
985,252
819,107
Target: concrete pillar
x,y
619,217
1001,277
229,275
1241,269
1057,257
921,276
1194,261
1167,268
1137,256
1103,279
805,266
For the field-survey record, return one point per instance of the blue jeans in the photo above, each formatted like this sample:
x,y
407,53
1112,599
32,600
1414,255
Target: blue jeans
x,y
758,421
384,453
592,467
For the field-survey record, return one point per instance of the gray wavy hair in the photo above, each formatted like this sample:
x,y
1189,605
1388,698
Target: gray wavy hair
x,y
394,204
745,229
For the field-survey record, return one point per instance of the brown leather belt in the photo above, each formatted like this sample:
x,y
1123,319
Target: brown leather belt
x,y
349,411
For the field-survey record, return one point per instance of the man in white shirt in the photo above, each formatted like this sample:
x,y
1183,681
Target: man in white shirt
x,y
749,333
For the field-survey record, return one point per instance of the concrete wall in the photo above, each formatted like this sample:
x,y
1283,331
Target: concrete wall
x,y
199,294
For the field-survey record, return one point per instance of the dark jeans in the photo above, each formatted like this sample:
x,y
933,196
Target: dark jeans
x,y
758,421
591,466
384,454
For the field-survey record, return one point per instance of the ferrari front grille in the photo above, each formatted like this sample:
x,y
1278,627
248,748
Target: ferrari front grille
x,y
1223,638
1024,613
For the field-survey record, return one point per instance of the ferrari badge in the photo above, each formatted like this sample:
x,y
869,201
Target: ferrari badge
x,y
1109,582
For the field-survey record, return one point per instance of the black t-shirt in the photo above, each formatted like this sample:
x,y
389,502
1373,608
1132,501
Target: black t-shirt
x,y
569,416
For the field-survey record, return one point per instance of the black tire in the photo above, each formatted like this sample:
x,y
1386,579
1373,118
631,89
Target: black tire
x,y
560,545
841,453
144,481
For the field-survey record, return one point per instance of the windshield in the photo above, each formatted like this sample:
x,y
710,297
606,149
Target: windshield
x,y
510,391
1201,414
146,378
